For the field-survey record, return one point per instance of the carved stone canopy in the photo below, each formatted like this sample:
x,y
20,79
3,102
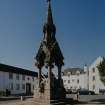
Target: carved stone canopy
x,y
49,53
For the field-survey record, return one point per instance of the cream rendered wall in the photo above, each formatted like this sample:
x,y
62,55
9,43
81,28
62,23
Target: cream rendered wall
x,y
5,82
20,81
97,82
86,80
73,81
1,81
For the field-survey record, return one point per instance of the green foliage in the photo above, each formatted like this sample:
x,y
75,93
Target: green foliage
x,y
101,69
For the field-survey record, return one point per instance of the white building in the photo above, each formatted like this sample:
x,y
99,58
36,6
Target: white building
x,y
94,82
17,80
73,78
88,78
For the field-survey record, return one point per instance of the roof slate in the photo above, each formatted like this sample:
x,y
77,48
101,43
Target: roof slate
x,y
73,71
12,69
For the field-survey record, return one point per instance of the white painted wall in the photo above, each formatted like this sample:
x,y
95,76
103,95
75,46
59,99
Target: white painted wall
x,y
5,82
73,81
97,82
86,79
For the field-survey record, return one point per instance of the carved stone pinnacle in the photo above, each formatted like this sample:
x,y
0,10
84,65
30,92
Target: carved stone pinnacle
x,y
48,0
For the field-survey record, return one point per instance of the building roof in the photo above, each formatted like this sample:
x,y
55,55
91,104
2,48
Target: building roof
x,y
73,71
12,69
97,61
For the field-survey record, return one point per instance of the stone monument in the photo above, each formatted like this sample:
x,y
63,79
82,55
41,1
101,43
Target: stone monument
x,y
50,89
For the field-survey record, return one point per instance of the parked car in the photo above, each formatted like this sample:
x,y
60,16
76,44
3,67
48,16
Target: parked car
x,y
91,92
86,92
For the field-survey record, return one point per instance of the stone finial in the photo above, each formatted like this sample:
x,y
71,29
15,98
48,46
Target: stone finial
x,y
48,0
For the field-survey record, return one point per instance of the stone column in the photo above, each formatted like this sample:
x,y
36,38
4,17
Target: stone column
x,y
39,77
59,73
49,82
49,75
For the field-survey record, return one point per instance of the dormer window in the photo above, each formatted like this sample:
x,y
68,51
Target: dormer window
x,y
69,73
78,72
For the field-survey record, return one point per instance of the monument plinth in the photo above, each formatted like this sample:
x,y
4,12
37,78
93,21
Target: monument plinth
x,y
49,55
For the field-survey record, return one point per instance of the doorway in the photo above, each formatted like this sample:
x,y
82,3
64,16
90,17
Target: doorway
x,y
28,88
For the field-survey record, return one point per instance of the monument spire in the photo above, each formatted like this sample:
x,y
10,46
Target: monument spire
x,y
49,13
49,51
50,55
48,0
49,28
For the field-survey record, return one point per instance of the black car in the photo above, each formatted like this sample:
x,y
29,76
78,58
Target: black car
x,y
86,92
91,92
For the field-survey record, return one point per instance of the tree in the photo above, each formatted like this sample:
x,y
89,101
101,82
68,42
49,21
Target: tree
x,y
101,69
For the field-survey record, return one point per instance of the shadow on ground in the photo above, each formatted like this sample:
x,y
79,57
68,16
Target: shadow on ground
x,y
70,101
98,100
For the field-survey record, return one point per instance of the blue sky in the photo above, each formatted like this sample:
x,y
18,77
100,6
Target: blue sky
x,y
80,30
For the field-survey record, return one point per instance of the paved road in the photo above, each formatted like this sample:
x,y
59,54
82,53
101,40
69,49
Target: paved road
x,y
12,102
91,99
88,98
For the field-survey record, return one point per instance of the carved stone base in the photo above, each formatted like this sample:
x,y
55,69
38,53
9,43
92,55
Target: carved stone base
x,y
48,97
44,97
43,102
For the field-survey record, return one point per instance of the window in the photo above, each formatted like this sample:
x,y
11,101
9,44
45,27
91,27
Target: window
x,y
78,81
33,78
23,86
93,70
17,86
10,75
11,86
64,81
93,78
17,76
68,81
23,77
28,78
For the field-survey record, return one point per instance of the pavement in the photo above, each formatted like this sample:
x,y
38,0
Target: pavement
x,y
82,100
89,99
14,98
18,102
